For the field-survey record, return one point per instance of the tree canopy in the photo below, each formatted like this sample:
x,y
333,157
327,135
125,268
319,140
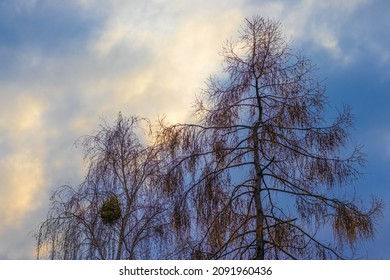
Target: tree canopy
x,y
259,175
114,213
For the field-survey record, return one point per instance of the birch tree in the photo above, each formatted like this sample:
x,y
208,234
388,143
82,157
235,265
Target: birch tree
x,y
115,213
263,172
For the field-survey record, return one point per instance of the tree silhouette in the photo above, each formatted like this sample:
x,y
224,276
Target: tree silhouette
x,y
260,175
263,172
115,213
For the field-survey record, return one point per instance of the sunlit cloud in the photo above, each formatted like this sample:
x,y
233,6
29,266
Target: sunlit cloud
x,y
22,177
72,63
173,59
21,165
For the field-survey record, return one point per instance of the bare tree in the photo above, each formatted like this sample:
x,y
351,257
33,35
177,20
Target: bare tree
x,y
263,171
115,213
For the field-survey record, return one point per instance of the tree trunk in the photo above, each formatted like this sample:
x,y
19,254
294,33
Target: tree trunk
x,y
256,158
257,198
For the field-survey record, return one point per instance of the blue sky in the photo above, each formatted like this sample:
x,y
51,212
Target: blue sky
x,y
67,64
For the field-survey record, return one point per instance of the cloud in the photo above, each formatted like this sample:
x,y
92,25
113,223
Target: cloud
x,y
174,51
21,179
21,167
53,94
345,30
69,63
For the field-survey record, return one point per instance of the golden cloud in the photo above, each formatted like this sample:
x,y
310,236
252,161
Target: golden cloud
x,y
21,167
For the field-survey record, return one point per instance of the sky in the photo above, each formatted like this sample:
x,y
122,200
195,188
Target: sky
x,y
66,65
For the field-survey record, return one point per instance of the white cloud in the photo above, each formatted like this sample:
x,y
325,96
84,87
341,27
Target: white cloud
x,y
322,24
174,51
21,164
148,58
140,63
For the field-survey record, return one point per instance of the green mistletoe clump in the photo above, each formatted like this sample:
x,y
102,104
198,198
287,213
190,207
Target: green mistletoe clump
x,y
110,211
